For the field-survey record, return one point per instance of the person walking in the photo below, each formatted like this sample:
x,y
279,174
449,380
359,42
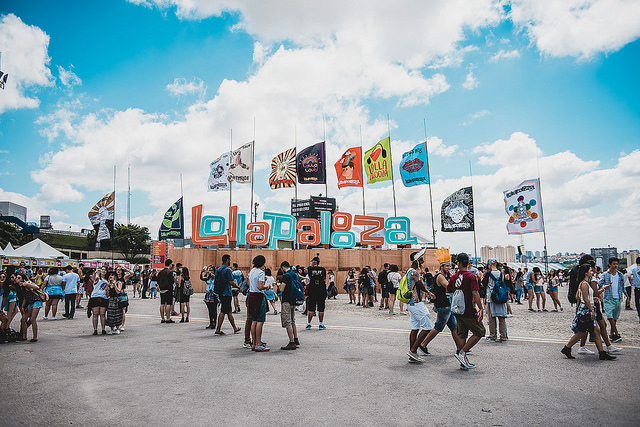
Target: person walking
x,y
393,281
612,282
317,292
552,289
165,283
494,310
53,288
469,320
418,312
185,291
238,277
70,283
223,283
257,303
635,281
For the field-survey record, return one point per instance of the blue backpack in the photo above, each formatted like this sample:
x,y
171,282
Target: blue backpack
x,y
295,296
500,292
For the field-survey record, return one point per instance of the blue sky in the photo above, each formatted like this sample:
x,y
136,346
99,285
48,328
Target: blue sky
x,y
159,84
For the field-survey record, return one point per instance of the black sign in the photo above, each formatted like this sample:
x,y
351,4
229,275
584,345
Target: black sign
x,y
457,211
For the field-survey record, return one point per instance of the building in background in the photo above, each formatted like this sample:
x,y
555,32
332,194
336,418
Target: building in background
x,y
501,253
13,209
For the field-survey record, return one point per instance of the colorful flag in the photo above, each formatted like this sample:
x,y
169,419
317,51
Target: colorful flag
x,y
414,167
241,164
283,170
219,172
523,204
172,226
311,165
349,168
457,211
377,162
101,217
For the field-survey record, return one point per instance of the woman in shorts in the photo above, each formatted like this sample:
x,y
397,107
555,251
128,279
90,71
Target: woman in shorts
x,y
538,287
393,282
257,303
269,293
31,305
53,288
364,283
185,306
9,297
99,301
528,285
552,289
584,320
350,286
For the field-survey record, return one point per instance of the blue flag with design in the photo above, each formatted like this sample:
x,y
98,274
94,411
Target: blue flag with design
x,y
173,222
414,168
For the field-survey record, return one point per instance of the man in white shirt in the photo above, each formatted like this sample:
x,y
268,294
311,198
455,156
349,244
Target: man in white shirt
x,y
635,281
70,284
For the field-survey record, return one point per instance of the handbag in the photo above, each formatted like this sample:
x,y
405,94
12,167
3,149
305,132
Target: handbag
x,y
123,301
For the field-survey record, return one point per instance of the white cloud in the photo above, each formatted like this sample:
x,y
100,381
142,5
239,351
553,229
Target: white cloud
x,y
68,78
181,87
470,82
480,113
579,28
505,54
25,59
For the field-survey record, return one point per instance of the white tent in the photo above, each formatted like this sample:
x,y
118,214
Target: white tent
x,y
38,249
8,251
1,251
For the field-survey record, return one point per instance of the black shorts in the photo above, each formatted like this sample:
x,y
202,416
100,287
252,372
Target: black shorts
x,y
55,296
184,298
225,304
385,291
166,298
235,292
316,301
98,302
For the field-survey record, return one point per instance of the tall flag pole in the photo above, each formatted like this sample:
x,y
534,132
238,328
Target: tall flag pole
x,y
253,149
230,182
475,244
114,215
544,229
393,183
426,144
324,149
364,210
129,194
295,137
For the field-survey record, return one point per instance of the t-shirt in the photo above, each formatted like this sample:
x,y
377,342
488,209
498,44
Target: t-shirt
x,y
317,278
615,280
222,279
394,278
165,280
256,275
468,282
71,283
415,278
54,282
238,277
99,289
635,276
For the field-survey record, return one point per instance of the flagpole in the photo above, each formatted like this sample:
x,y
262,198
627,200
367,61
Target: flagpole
x,y
114,214
426,147
475,245
230,182
295,137
393,183
181,191
324,152
544,229
253,149
364,210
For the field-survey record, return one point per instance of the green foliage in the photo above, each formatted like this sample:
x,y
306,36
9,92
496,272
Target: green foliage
x,y
131,240
10,233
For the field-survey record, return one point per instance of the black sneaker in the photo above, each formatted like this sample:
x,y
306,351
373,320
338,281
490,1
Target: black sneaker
x,y
567,352
606,356
423,351
95,332
104,332
616,338
169,321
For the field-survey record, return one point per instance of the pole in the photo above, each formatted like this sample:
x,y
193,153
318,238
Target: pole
x,y
393,183
324,152
544,230
114,213
475,245
230,182
426,147
295,137
181,191
253,149
129,194
364,210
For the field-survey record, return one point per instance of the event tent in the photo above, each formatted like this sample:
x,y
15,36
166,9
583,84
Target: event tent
x,y
37,249
8,251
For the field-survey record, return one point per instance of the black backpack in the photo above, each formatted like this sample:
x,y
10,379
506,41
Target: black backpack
x,y
573,285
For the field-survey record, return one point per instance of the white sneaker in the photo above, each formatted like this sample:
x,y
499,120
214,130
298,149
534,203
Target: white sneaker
x,y
585,350
122,329
53,318
116,332
413,357
110,332
45,318
613,349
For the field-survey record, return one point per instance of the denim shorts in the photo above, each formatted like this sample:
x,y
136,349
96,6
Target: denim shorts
x,y
538,289
553,289
37,304
445,318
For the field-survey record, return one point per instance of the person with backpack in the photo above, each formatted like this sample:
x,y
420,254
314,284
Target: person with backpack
x,y
393,280
185,291
418,311
466,297
292,297
316,292
496,301
384,287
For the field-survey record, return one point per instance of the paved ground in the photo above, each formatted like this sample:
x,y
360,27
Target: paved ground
x,y
354,373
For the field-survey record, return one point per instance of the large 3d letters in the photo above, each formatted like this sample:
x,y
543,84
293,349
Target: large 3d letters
x,y
308,237
366,237
400,235
258,233
278,232
208,230
342,237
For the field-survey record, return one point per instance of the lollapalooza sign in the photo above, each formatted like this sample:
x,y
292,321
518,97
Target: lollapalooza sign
x,y
332,229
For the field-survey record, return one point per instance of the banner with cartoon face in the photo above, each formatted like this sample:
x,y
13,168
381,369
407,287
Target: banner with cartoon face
x,y
283,170
523,204
311,165
457,211
241,164
218,175
349,168
377,162
414,168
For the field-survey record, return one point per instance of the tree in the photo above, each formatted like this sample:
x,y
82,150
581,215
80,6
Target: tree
x,y
131,240
10,233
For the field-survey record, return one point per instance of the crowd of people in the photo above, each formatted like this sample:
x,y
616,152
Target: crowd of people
x,y
462,295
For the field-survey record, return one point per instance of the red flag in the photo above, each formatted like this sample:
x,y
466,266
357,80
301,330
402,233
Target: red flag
x,y
349,168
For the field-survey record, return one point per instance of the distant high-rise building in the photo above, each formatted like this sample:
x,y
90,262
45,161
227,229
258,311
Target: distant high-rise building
x,y
13,209
501,253
537,254
529,254
631,257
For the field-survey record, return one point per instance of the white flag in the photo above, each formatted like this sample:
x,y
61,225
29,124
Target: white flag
x,y
241,164
524,207
219,171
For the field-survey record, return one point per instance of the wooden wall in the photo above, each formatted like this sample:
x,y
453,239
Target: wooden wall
x,y
338,260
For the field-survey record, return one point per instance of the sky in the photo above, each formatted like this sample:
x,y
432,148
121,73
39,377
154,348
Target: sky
x,y
504,91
